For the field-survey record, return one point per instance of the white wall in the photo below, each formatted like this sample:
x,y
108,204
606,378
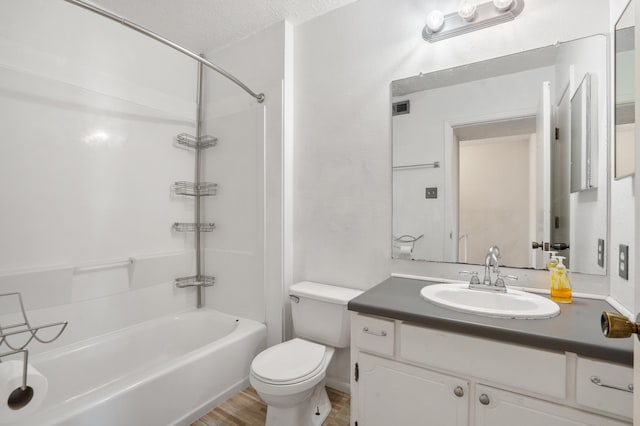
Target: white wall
x,y
246,252
89,112
622,211
345,61
494,198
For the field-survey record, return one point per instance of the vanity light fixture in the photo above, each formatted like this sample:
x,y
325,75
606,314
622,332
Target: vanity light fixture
x,y
503,5
467,9
470,16
435,21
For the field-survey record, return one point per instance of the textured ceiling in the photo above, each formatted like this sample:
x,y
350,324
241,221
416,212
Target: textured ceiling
x,y
203,25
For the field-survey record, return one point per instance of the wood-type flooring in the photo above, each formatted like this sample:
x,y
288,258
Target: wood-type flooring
x,y
247,409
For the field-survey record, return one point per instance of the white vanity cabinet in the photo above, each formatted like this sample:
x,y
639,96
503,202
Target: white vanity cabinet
x,y
403,374
393,393
497,407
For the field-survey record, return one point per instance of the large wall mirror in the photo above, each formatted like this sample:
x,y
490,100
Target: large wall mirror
x,y
625,94
482,156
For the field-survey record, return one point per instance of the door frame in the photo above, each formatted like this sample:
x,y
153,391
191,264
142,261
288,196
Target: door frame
x,y
450,162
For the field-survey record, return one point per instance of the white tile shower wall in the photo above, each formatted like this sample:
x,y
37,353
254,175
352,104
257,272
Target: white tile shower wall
x,y
344,62
89,111
251,284
99,316
235,249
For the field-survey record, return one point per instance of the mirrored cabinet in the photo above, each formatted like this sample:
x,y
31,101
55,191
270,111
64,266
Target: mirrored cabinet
x,y
624,112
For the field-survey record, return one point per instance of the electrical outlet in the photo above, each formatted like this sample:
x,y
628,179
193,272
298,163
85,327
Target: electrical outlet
x,y
431,192
601,253
623,263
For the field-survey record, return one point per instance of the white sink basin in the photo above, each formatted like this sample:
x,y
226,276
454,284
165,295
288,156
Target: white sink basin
x,y
512,304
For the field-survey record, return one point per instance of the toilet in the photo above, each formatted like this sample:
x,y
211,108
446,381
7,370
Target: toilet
x,y
290,376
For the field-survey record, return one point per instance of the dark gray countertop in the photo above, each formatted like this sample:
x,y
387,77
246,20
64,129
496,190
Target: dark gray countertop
x,y
576,329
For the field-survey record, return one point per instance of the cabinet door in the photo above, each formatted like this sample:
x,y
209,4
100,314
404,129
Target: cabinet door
x,y
495,407
391,393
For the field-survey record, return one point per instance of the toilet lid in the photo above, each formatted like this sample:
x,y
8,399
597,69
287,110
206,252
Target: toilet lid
x,y
289,361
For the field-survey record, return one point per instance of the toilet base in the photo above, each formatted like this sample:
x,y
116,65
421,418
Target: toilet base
x,y
311,412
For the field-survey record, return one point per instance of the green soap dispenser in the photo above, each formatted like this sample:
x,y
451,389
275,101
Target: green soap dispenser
x,y
560,284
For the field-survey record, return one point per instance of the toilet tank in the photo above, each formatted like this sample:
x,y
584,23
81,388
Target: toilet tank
x,y
319,312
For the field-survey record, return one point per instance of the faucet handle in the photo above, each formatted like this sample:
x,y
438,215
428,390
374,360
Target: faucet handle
x,y
500,279
474,276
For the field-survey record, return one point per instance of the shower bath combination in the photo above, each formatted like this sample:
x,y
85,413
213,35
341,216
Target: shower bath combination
x,y
117,350
198,143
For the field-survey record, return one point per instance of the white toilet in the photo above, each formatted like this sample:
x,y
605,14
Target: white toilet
x,y
290,376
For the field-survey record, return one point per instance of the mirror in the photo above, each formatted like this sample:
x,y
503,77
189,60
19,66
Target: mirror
x,y
624,164
482,156
583,143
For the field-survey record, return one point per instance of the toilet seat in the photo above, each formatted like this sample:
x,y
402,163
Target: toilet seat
x,y
289,363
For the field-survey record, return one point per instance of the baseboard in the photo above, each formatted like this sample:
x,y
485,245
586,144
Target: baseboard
x,y
338,385
213,403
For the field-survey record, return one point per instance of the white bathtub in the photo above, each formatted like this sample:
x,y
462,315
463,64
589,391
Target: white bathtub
x,y
167,371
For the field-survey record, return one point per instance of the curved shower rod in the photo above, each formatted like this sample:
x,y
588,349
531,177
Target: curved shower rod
x,y
260,97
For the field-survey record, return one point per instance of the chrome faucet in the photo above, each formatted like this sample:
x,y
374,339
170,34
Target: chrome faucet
x,y
493,255
491,260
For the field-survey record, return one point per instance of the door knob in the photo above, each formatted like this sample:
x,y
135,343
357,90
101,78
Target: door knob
x,y
540,245
559,246
617,326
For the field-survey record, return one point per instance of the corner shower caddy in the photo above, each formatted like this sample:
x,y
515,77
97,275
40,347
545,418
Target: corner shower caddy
x,y
21,335
195,189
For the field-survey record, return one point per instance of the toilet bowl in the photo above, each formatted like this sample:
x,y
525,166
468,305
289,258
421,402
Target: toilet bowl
x,y
290,379
290,376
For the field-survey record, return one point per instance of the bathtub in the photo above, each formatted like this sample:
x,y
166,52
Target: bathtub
x,y
167,371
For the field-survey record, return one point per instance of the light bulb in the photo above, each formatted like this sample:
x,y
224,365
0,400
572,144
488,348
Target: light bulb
x,y
467,9
435,21
503,5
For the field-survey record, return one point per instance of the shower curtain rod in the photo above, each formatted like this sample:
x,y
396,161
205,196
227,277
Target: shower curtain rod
x,y
259,96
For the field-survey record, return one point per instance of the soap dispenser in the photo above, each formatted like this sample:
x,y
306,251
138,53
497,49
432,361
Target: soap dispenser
x,y
560,284
552,262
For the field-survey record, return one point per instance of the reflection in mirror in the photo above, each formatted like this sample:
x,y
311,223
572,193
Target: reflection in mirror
x,y
481,156
625,94
583,136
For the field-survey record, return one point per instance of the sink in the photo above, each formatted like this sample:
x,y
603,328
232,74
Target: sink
x,y
512,304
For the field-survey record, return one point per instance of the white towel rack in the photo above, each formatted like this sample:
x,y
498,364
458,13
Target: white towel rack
x,y
99,266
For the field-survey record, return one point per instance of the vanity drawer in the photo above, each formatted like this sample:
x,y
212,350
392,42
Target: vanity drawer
x,y
516,366
373,334
605,386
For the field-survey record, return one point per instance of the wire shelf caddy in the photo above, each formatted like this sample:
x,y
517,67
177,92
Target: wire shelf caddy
x,y
203,142
193,227
9,333
195,281
195,189
20,333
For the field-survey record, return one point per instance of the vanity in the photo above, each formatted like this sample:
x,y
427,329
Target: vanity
x,y
511,151
413,363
